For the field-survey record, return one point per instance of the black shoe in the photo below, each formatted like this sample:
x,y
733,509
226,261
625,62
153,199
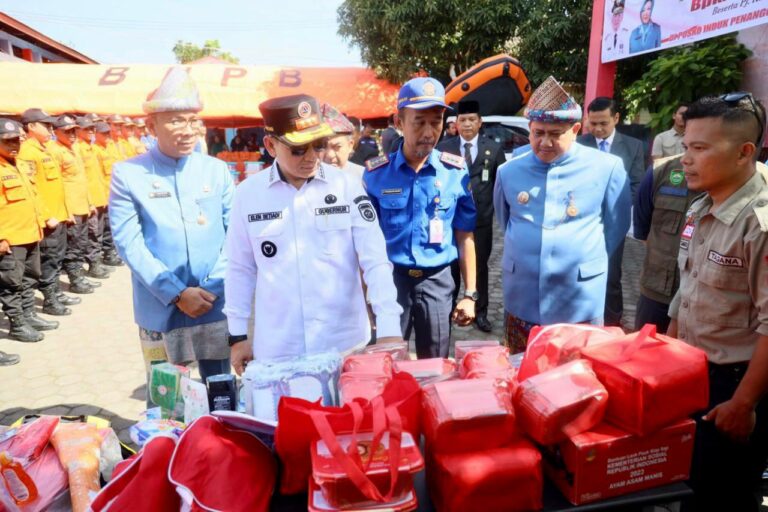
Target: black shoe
x,y
8,359
112,259
52,305
67,300
80,287
22,331
483,324
97,271
92,284
40,324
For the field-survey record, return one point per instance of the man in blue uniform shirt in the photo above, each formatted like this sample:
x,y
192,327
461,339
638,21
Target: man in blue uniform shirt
x,y
427,214
169,211
565,208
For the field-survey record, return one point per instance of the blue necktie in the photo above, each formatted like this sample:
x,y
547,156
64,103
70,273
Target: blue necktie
x,y
603,146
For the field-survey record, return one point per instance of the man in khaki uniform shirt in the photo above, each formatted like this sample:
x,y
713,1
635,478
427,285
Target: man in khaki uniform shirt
x,y
722,304
670,142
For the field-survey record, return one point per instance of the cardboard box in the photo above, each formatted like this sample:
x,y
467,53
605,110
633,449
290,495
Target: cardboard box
x,y
606,462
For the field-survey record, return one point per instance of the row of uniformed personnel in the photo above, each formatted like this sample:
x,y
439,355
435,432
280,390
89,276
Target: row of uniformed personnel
x,y
53,210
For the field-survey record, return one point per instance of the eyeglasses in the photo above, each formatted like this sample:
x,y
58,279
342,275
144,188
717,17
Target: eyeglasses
x,y
178,123
733,99
319,146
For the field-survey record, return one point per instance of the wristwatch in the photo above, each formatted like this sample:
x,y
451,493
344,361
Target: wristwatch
x,y
471,295
231,340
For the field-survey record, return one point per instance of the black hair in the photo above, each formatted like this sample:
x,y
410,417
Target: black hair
x,y
391,119
743,111
603,103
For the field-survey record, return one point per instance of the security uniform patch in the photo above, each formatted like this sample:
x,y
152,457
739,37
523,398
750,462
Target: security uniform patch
x,y
367,211
725,261
268,249
330,199
332,210
376,162
361,198
258,217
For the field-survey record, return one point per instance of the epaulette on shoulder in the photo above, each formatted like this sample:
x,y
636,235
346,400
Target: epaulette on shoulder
x,y
451,159
374,163
761,212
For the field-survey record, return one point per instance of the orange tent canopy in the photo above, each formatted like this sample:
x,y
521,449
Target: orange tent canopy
x,y
231,93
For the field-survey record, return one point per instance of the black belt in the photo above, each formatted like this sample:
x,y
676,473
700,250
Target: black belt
x,y
728,368
418,271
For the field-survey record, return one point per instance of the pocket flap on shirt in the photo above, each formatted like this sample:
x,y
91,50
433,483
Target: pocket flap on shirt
x,y
394,202
593,268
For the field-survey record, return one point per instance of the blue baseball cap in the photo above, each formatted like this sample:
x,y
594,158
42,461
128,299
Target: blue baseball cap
x,y
421,93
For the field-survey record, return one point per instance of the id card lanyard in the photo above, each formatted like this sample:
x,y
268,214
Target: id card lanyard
x,y
436,224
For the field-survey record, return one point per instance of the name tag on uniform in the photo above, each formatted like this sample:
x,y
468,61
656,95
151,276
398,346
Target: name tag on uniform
x,y
159,195
258,217
725,261
392,191
332,210
485,175
436,231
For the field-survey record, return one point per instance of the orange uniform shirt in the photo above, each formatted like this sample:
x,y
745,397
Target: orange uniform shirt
x,y
75,180
20,216
47,178
98,191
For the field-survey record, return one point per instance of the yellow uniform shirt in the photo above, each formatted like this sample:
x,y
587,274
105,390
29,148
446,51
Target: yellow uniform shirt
x,y
126,148
20,215
138,147
47,178
97,187
75,179
107,159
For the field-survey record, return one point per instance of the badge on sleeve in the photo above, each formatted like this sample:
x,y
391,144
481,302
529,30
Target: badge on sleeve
x,y
367,212
376,162
676,176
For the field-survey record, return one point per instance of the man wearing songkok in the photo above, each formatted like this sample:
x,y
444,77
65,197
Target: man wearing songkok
x,y
169,211
300,234
564,208
342,143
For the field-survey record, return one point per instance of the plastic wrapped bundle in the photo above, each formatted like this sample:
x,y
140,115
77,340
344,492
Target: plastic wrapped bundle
x,y
78,448
468,415
429,370
552,345
318,503
561,402
398,351
464,346
508,478
343,492
165,388
379,363
653,380
361,385
487,363
312,378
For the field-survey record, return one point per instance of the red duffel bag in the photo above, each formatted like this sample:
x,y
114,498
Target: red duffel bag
x,y
296,430
508,478
653,380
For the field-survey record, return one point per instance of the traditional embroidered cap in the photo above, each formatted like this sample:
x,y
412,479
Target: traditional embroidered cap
x,y
101,127
420,93
35,115
294,119
336,120
550,103
177,92
10,129
65,122
468,107
84,122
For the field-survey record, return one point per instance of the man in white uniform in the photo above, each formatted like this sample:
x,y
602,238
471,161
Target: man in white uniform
x,y
299,234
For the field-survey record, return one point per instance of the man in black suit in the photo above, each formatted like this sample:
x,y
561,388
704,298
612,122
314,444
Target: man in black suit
x,y
602,118
483,157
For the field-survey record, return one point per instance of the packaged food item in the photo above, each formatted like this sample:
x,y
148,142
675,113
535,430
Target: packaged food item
x,y
398,351
361,385
312,378
377,363
77,445
195,396
507,478
145,430
486,363
222,392
653,380
550,346
606,461
431,368
468,415
560,402
165,388
318,503
341,491
17,482
463,346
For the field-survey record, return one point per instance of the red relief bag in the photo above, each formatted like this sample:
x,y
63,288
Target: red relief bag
x,y
486,360
428,370
467,415
379,363
560,402
296,430
653,380
550,346
508,478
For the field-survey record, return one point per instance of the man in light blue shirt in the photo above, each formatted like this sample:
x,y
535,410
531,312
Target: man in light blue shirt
x,y
169,212
564,208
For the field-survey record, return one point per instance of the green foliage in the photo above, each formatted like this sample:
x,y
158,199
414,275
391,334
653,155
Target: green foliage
x,y
399,38
553,39
188,52
685,74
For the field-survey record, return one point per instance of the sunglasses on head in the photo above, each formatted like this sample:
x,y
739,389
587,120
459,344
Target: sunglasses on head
x,y
734,99
318,145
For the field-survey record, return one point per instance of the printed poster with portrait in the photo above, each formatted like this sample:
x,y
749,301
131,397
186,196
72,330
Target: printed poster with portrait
x,y
634,27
